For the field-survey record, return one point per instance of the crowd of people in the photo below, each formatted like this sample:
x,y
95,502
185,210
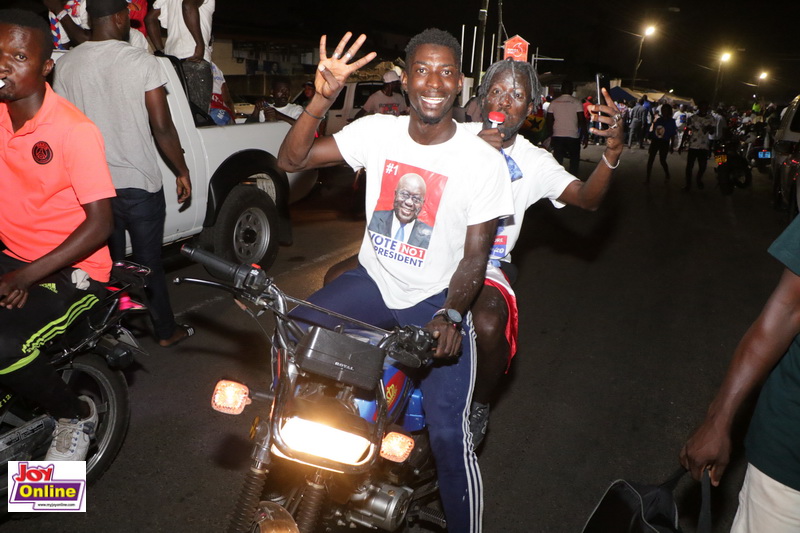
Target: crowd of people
x,y
698,129
452,195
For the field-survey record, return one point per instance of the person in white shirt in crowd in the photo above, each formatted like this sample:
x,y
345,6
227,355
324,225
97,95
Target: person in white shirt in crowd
x,y
70,26
566,125
701,124
389,100
280,109
188,25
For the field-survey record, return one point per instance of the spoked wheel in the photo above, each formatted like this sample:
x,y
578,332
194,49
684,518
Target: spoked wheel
x,y
88,375
272,518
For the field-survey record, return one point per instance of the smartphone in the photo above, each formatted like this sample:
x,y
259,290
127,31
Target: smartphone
x,y
601,80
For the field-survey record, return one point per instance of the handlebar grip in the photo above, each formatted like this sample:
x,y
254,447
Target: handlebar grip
x,y
410,346
218,267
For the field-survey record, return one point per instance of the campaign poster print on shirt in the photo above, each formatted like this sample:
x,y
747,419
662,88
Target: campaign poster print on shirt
x,y
391,108
405,214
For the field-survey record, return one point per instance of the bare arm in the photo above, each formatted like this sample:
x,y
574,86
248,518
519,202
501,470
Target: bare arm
x,y
88,237
191,17
166,137
589,194
762,346
285,118
153,26
76,34
227,99
464,286
299,149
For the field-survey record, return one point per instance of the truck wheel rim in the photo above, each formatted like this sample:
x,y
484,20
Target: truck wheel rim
x,y
251,235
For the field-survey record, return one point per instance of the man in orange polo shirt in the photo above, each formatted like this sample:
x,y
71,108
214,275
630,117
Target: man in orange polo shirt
x,y
55,217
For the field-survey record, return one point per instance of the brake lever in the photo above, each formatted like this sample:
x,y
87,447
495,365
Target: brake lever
x,y
412,346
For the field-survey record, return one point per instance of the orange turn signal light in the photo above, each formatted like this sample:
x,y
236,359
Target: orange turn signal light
x,y
396,447
230,397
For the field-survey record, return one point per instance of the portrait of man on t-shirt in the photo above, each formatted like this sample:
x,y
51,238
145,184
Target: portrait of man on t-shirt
x,y
405,211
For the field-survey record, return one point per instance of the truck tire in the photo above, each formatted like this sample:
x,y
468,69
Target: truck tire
x,y
246,230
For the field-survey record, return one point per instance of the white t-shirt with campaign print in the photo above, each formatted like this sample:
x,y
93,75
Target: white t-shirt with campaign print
x,y
466,183
542,177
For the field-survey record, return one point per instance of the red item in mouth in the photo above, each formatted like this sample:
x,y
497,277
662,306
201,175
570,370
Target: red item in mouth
x,y
497,117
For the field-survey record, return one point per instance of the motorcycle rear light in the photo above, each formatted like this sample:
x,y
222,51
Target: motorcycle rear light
x,y
230,397
396,447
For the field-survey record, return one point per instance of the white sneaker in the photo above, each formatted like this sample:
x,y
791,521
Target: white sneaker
x,y
71,437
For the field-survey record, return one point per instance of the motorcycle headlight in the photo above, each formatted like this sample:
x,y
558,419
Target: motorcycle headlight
x,y
318,439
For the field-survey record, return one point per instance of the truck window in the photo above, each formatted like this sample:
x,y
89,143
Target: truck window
x,y
363,92
339,103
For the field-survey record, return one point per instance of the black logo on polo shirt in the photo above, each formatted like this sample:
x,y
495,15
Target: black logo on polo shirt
x,y
42,153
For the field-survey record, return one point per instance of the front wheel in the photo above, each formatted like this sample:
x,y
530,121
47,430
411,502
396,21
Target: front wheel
x,y
89,375
246,230
724,179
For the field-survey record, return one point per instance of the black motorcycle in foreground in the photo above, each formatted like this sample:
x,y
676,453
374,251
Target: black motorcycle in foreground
x,y
340,439
89,355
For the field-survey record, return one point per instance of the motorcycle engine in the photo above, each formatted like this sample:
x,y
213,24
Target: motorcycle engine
x,y
383,506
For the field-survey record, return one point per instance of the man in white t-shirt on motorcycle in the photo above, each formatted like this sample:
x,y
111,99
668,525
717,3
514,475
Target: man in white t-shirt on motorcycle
x,y
431,284
512,88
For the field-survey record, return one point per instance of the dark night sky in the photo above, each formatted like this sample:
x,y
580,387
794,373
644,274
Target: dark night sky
x,y
590,36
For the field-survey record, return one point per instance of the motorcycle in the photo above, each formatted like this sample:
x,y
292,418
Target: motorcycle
x,y
731,167
755,146
89,355
342,419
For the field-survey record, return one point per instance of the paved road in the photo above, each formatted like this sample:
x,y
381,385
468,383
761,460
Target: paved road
x,y
629,316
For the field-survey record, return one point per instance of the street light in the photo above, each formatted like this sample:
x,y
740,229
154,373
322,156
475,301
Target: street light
x,y
761,76
649,31
724,58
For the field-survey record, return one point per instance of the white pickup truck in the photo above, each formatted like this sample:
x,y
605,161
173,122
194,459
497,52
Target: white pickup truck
x,y
240,198
349,103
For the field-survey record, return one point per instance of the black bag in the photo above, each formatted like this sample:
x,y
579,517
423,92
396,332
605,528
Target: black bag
x,y
628,507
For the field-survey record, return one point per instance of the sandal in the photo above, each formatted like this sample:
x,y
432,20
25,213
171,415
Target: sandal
x,y
167,343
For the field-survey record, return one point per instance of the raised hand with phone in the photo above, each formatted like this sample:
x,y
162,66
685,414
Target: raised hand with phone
x,y
606,121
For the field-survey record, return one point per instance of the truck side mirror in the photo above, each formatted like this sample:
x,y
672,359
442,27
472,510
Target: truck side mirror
x,y
785,147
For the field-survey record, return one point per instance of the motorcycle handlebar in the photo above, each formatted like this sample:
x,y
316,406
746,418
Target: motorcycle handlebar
x,y
410,345
241,276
